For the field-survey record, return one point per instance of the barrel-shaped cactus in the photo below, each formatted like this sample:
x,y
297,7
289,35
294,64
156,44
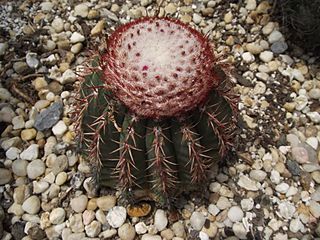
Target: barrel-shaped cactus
x,y
156,111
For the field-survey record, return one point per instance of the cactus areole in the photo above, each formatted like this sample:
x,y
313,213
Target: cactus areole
x,y
157,112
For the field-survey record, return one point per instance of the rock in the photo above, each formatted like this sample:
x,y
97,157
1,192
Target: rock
x,y
36,233
97,29
100,216
213,209
279,47
3,48
239,230
141,228
93,229
254,48
196,18
314,93
247,183
235,214
61,178
4,94
178,229
40,187
13,153
31,153
247,57
28,134
49,117
59,129
160,220
35,169
293,167
77,37
313,142
32,60
57,216
76,49
275,36
282,187
300,155
223,203
11,142
286,209
17,230
68,77
228,17
108,234
31,205
301,101
197,220
167,234
266,56
46,6
5,176
151,237
105,203
81,10
57,24
79,204
314,116
211,231
20,67
314,208
126,232
19,168
247,204
258,175
75,223
116,216
296,225
6,114
251,5
18,122
170,8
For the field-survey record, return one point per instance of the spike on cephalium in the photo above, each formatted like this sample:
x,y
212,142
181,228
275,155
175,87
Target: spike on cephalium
x,y
156,110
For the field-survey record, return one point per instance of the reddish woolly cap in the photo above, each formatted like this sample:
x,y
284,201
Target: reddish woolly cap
x,y
159,67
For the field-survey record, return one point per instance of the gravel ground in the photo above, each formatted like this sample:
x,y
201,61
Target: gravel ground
x,y
270,191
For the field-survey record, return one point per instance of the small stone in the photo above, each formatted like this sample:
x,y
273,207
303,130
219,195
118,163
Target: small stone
x,y
76,49
138,210
18,122
47,6
228,17
28,134
68,77
40,187
35,169
167,234
266,56
314,93
258,175
178,229
251,5
19,168
108,234
170,8
247,57
141,228
57,24
239,230
160,220
313,142
93,229
223,203
59,129
282,187
296,225
211,231
314,116
20,67
57,216
5,176
31,153
76,224
286,209
300,154
105,203
254,48
196,18
31,205
314,208
151,237
197,220
247,183
49,117
235,214
275,36
116,216
126,232
13,153
97,29
279,47
81,10
291,191
247,204
77,37
3,48
32,60
79,204
293,167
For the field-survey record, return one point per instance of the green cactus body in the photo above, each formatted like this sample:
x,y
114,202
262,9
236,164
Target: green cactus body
x,y
157,140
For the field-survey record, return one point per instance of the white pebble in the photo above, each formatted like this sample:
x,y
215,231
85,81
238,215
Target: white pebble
x,y
160,220
197,220
59,129
235,214
117,216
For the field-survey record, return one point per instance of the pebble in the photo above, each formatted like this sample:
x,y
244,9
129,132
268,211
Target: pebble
x,y
79,204
75,223
228,17
30,153
57,25
32,60
18,122
197,220
160,220
116,216
81,10
300,155
314,93
266,56
248,57
247,204
170,8
31,205
46,6
314,208
20,67
93,229
13,153
40,187
296,225
61,178
279,47
19,168
141,228
251,5
59,129
223,203
97,29
235,214
35,169
68,77
150,237
77,37
105,203
258,175
28,134
5,176
127,232
57,215
247,183
313,142
49,117
3,48
275,36
254,48
282,187
239,230
291,191
286,209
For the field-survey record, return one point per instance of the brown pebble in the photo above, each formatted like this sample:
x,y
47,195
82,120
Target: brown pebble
x,y
139,210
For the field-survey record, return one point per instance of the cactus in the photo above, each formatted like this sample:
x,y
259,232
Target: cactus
x,y
156,110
